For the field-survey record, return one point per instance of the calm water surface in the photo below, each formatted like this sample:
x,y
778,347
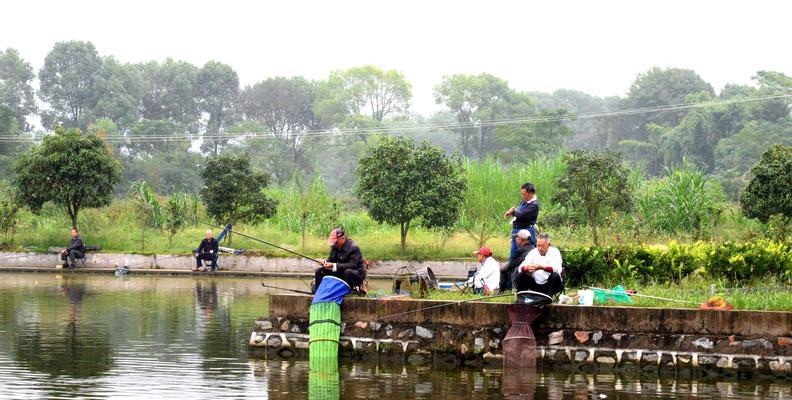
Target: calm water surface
x,y
99,336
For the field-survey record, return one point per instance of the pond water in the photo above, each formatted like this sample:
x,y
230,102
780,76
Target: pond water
x,y
99,336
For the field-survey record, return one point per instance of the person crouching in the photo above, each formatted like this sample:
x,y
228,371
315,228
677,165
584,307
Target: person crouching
x,y
345,262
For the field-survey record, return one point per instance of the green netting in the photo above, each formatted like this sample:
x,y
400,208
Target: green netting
x,y
324,385
324,329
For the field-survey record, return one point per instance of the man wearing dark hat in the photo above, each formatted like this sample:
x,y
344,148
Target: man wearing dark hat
x,y
345,261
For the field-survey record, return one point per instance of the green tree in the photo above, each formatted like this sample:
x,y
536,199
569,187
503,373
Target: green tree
x,y
148,209
68,80
218,88
176,211
362,97
16,87
285,107
119,93
769,193
9,211
594,183
401,184
233,191
169,92
69,169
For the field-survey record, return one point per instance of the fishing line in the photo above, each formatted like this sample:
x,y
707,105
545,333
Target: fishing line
x,y
288,290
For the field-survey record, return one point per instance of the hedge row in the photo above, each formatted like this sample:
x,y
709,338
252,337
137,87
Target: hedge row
x,y
735,262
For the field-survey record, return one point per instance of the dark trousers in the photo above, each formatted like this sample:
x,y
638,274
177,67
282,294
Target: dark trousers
x,y
206,256
525,281
506,281
72,255
352,277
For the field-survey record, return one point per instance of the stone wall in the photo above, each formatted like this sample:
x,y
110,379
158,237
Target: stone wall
x,y
588,338
272,266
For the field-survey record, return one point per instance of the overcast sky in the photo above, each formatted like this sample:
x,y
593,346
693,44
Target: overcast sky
x,y
594,46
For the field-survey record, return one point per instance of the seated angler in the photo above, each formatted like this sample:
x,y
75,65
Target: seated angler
x,y
75,250
487,277
207,250
541,269
510,270
345,262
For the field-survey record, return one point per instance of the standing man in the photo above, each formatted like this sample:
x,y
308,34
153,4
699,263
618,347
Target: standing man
x,y
345,262
75,250
207,250
508,272
541,269
524,215
486,279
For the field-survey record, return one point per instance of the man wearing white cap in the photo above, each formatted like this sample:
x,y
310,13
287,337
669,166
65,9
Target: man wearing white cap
x,y
509,270
345,261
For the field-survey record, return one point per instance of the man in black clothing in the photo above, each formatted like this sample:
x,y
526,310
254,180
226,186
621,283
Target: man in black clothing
x,y
75,250
207,250
345,261
524,215
524,246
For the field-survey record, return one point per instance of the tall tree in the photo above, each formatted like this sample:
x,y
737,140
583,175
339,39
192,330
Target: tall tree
x,y
217,88
362,97
770,188
68,169
594,183
119,93
285,107
16,89
232,190
401,184
67,81
169,92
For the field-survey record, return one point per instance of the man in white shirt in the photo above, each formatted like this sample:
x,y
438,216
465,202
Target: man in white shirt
x,y
487,278
541,269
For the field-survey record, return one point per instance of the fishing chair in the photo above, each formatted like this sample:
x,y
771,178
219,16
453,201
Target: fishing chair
x,y
80,262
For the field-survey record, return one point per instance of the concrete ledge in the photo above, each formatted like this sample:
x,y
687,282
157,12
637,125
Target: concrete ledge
x,y
248,264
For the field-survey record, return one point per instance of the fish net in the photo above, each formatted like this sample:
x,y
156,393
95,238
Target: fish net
x,y
324,385
519,345
324,329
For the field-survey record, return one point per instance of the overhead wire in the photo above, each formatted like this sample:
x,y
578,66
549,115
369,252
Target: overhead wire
x,y
341,132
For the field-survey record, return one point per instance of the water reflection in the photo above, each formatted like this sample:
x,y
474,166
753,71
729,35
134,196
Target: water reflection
x,y
98,336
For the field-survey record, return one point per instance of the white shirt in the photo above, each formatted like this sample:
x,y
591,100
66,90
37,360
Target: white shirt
x,y
551,259
488,273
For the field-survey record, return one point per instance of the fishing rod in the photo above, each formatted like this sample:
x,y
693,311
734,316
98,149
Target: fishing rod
x,y
257,240
643,295
288,290
444,305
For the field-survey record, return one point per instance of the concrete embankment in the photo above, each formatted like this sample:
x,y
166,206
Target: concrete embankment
x,y
228,264
647,340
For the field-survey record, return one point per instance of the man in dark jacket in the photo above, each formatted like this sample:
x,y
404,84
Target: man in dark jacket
x,y
75,250
207,250
524,215
345,261
524,246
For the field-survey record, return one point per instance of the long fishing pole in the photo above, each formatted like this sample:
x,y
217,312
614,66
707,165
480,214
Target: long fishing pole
x,y
288,290
444,305
258,240
643,295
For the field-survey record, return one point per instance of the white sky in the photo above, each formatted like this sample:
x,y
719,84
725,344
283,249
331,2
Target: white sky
x,y
594,46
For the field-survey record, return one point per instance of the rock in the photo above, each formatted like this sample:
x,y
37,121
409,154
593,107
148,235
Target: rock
x,y
258,339
478,345
463,348
779,366
745,363
684,359
361,325
631,356
407,333
294,329
423,332
704,343
285,325
415,359
343,327
497,331
618,337
375,326
274,341
784,342
302,344
264,325
650,358
492,359
389,331
550,354
581,355
582,336
707,360
723,362
747,344
596,337
556,337
345,343
494,343
606,360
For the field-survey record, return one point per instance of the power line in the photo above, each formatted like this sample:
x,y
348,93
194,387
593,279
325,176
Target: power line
x,y
339,132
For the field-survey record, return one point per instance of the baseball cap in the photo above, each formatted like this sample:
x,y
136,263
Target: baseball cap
x,y
334,235
485,251
524,234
